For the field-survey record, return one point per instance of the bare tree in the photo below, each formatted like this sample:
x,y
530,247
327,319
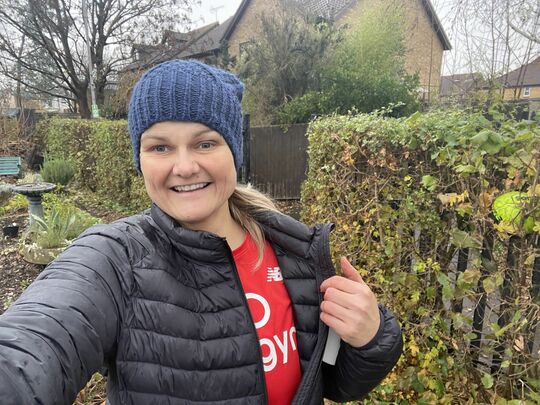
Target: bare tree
x,y
523,18
43,46
491,37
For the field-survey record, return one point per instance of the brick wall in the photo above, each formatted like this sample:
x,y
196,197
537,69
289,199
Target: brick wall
x,y
513,93
249,25
425,50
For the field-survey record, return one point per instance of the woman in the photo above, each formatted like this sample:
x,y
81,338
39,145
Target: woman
x,y
211,296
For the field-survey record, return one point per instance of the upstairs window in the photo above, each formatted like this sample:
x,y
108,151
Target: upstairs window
x,y
526,92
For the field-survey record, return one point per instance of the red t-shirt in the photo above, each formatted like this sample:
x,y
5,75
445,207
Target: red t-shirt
x,y
271,309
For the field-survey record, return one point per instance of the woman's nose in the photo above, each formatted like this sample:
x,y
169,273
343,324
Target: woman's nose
x,y
185,164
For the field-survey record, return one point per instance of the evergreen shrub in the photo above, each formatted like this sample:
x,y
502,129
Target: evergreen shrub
x,y
411,198
58,171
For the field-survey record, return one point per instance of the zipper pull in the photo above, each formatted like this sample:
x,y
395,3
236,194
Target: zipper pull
x,y
333,342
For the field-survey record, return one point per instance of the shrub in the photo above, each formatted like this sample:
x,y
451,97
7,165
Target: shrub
x,y
284,62
412,203
101,153
30,177
364,72
52,230
62,222
16,203
58,171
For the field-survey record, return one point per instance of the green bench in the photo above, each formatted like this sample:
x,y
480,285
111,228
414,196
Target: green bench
x,y
10,166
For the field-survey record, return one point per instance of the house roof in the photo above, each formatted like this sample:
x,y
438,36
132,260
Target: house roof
x,y
208,43
335,9
437,24
155,54
526,75
460,84
330,9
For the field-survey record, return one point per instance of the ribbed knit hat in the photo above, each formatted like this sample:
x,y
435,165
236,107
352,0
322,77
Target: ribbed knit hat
x,y
181,90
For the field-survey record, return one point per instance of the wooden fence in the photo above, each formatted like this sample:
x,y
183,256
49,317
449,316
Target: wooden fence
x,y
277,160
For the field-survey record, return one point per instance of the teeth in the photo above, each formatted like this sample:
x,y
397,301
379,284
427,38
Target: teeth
x,y
190,187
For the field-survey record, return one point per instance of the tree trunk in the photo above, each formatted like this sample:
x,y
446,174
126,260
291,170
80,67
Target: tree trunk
x,y
84,106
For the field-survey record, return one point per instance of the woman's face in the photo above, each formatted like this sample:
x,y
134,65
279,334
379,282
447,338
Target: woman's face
x,y
188,172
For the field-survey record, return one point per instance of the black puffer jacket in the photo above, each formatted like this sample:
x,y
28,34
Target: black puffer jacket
x,y
163,309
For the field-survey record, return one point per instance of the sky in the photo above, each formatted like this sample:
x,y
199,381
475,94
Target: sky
x,y
213,10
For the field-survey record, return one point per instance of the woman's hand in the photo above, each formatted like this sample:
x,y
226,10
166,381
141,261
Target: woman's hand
x,y
350,307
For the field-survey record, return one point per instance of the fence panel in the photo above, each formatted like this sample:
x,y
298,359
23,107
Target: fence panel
x,y
278,160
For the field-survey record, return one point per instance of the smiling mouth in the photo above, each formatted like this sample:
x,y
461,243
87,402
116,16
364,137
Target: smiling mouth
x,y
190,188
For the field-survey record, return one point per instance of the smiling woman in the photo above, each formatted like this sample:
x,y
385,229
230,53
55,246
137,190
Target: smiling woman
x,y
189,172
210,296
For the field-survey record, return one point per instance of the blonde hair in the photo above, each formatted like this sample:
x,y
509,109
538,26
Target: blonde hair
x,y
244,204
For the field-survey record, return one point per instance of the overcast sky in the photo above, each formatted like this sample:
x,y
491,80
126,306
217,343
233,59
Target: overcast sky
x,y
214,10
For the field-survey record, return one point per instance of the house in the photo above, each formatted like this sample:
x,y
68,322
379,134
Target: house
x,y
458,87
426,39
522,84
203,43
425,36
10,105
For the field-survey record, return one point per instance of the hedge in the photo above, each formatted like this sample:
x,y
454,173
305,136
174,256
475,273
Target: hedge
x,y
412,202
101,152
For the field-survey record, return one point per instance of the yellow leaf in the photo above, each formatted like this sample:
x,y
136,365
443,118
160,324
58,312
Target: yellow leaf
x,y
505,229
530,259
485,200
463,196
536,190
452,198
448,198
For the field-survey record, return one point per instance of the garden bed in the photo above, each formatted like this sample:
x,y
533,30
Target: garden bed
x,y
15,273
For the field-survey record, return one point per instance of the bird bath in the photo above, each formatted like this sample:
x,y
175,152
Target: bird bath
x,y
34,193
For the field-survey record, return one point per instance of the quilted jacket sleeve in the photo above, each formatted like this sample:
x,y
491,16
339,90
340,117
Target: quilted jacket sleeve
x,y
65,325
358,370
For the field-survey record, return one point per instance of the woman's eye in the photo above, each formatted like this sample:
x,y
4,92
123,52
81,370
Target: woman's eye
x,y
206,145
159,148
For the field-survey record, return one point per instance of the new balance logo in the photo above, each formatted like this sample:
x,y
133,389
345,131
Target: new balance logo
x,y
273,274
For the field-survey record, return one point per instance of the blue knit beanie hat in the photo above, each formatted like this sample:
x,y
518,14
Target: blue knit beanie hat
x,y
187,90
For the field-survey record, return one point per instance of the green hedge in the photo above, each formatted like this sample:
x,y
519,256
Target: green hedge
x,y
407,195
101,152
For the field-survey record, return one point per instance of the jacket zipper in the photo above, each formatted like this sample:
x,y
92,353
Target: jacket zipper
x,y
252,323
314,367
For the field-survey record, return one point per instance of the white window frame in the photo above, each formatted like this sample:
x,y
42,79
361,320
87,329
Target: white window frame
x,y
527,92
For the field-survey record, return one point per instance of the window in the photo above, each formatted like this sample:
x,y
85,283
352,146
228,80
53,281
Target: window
x,y
526,92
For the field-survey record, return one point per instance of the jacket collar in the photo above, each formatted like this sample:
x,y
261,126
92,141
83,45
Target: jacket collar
x,y
199,245
282,230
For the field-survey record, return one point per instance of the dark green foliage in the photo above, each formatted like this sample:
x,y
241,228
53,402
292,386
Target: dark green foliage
x,y
58,171
365,72
284,63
